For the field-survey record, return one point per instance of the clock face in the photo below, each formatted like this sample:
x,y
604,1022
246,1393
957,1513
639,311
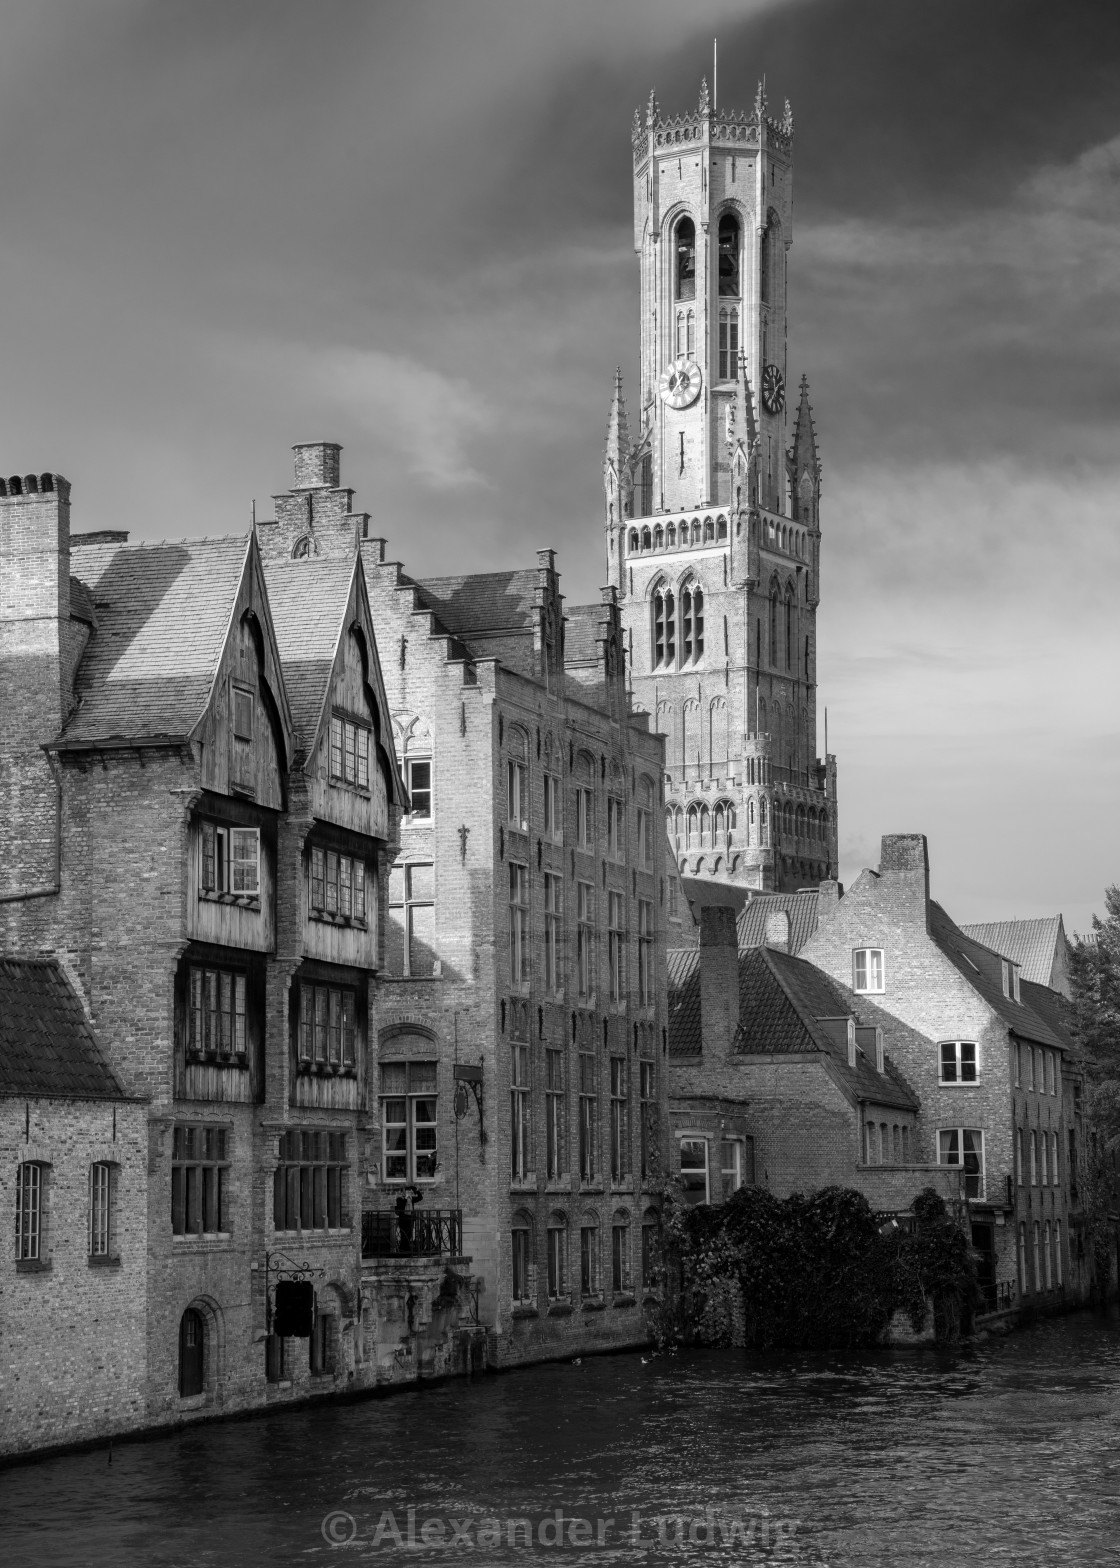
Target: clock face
x,y
773,390
680,383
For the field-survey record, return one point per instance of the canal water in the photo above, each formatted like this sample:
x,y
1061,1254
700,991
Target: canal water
x,y
1007,1452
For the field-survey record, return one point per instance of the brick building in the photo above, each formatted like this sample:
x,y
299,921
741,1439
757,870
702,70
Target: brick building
x,y
989,1070
74,1177
777,1077
1039,947
521,1028
712,506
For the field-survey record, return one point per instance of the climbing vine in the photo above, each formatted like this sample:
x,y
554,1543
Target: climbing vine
x,y
822,1270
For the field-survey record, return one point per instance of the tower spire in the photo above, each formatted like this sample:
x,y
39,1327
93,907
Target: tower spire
x,y
804,461
617,484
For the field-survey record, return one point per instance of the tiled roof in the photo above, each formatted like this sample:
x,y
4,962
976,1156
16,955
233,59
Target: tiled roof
x,y
800,907
481,602
308,599
163,612
46,1044
581,633
683,964
1029,943
980,966
781,1002
1054,1010
81,603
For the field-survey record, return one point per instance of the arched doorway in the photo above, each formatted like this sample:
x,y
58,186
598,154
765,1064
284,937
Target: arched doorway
x,y
192,1353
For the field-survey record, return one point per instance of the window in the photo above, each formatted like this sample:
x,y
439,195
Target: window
x,y
1018,1156
1022,1258
616,945
336,885
958,1061
310,1190
905,1145
686,259
1017,1053
418,778
616,828
645,837
554,1114
694,1171
1058,1253
1037,1256
101,1209
242,725
664,629
964,1147
1051,1071
517,795
651,1250
349,752
1055,1178
588,1118
230,860
217,1013
692,624
647,1109
585,939
674,899
524,1263
729,287
731,1163
1045,1161
557,1257
553,912
30,1182
518,924
585,818
620,1120
412,920
868,968
1030,1067
1011,980
327,1025
553,809
620,1253
589,1258
408,1121
199,1180
521,1157
1034,1158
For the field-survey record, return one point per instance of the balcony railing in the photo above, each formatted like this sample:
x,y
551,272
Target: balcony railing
x,y
419,1233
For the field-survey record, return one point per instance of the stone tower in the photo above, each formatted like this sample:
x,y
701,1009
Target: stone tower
x,y
712,521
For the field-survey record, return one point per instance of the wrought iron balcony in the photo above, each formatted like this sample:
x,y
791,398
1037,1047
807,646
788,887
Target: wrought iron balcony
x,y
417,1233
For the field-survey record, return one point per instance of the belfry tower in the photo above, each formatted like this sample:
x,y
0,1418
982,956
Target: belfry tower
x,y
712,520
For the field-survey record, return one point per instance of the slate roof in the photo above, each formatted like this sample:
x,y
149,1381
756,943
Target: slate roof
x,y
1054,1010
1029,943
781,1002
481,602
163,612
46,1044
581,633
308,599
980,966
800,907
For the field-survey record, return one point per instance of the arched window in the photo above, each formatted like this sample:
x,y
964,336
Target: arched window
x,y
658,537
192,1353
692,623
729,257
705,824
764,822
678,824
728,343
671,536
732,822
621,1282
789,630
709,529
692,820
647,539
524,1271
686,259
774,602
634,541
751,827
696,530
770,261
721,528
590,1285
801,821
664,632
718,823
557,1256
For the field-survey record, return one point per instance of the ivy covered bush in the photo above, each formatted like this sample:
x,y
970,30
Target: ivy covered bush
x,y
821,1271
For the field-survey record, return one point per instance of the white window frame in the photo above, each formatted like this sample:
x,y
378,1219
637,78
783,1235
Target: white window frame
x,y
406,905
419,762
961,1153
227,840
31,1181
412,1124
958,1047
694,1140
101,1194
731,1174
868,955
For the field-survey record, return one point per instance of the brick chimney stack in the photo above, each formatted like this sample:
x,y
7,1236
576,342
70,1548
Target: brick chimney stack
x,y
904,873
719,980
35,674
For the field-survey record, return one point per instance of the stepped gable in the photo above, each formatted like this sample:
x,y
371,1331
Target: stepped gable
x,y
47,1046
162,618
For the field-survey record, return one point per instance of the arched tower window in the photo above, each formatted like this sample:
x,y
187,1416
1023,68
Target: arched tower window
x,y
686,259
645,486
664,631
774,603
728,343
729,257
692,623
647,539
789,630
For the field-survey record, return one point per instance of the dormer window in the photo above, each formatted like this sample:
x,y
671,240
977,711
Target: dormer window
x,y
1010,981
230,860
349,752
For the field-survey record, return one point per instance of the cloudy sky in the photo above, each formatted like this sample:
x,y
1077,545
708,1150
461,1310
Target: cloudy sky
x,y
236,224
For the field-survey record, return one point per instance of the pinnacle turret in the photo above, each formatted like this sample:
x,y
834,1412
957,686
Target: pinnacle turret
x,y
616,458
803,461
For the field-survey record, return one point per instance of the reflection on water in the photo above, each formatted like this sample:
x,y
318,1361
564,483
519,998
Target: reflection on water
x,y
1008,1452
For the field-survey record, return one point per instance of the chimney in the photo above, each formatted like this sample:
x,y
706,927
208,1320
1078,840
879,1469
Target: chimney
x,y
317,465
35,674
904,874
719,980
777,930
